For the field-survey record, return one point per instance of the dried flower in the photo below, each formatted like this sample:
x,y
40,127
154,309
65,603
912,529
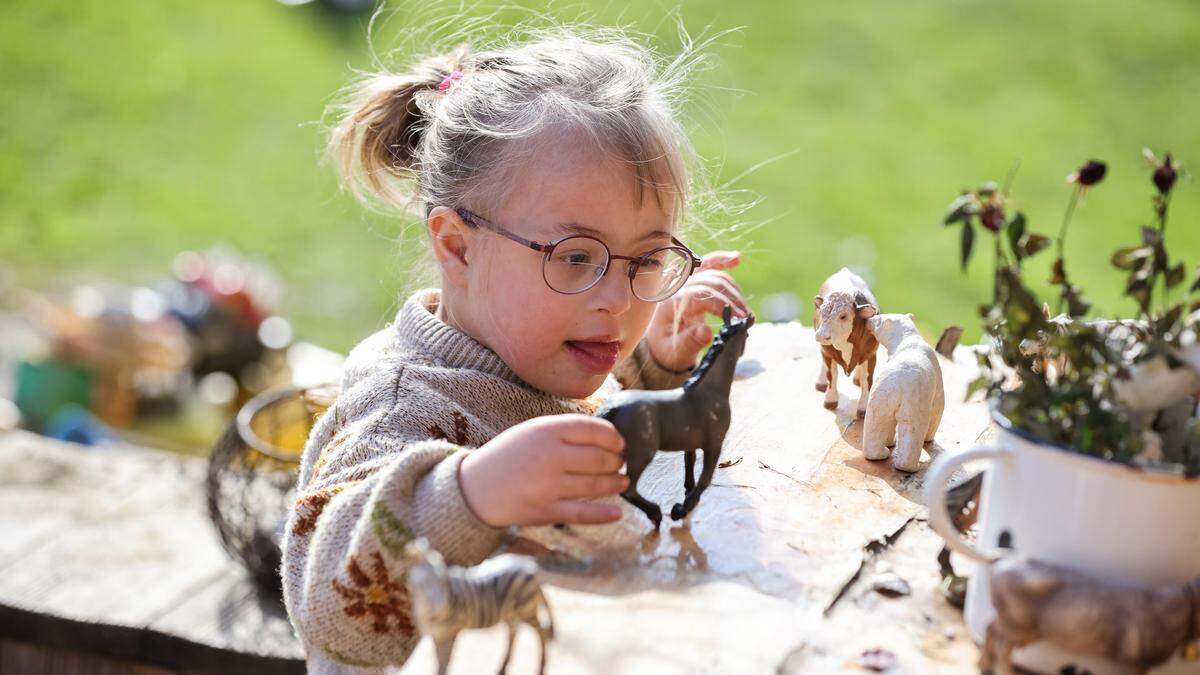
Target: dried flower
x,y
1089,174
1165,174
992,216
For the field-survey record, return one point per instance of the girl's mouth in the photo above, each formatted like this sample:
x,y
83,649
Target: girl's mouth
x,y
595,357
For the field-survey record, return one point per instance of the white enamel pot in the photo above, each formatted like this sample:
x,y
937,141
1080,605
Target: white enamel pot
x,y
1104,518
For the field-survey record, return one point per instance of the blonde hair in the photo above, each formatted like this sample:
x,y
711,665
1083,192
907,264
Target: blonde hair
x,y
420,137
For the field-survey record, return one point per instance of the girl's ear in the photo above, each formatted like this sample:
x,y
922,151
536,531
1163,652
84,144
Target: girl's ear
x,y
451,240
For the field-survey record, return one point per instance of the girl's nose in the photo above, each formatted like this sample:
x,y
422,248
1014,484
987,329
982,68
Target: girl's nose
x,y
614,293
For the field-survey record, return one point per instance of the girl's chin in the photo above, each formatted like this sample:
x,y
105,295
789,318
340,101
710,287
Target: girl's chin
x,y
576,384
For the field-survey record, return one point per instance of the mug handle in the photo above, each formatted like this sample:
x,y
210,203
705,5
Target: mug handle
x,y
935,495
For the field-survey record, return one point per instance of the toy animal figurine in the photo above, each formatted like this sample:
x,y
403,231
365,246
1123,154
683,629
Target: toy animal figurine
x,y
693,416
448,600
843,306
1137,627
906,406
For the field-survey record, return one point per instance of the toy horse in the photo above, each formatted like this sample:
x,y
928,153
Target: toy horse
x,y
447,600
693,416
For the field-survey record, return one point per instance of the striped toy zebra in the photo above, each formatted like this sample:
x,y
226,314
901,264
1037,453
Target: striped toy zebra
x,y
447,600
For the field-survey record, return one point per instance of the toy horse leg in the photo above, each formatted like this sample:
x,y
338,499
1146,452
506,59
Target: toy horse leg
x,y
512,636
689,466
543,638
712,454
636,460
444,645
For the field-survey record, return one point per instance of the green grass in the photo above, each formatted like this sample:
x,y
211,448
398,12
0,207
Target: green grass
x,y
130,132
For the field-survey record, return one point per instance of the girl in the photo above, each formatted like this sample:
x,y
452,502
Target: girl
x,y
552,181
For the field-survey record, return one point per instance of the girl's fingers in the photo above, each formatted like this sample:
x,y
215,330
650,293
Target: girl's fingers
x,y
576,486
583,513
719,260
725,285
715,274
585,459
709,300
700,335
588,431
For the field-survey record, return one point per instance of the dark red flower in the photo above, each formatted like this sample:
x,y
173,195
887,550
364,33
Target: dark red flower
x,y
1165,174
992,216
1090,173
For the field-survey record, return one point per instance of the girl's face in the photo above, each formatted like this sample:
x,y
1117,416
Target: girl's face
x,y
564,344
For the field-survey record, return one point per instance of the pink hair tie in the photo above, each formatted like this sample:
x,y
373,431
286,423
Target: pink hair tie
x,y
449,80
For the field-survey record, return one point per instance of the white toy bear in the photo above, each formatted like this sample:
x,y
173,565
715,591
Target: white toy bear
x,y
908,397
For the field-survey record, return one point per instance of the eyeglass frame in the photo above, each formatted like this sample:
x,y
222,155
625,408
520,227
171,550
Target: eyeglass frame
x,y
475,220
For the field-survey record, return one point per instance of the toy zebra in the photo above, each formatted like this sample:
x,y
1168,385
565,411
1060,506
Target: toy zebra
x,y
447,600
693,416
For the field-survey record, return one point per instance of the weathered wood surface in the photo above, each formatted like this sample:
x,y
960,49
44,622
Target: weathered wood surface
x,y
110,552
774,571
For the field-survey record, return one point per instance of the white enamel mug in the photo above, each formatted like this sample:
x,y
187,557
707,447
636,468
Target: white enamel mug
x,y
1104,518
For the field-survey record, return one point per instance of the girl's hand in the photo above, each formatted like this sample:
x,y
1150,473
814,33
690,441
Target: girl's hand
x,y
678,332
544,470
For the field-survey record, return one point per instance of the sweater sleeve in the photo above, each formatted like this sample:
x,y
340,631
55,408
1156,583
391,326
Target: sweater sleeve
x,y
641,371
373,480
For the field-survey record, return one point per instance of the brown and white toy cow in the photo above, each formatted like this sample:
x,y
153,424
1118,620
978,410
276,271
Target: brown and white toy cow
x,y
843,306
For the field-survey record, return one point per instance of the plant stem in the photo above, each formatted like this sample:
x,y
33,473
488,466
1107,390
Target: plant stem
x,y
1164,203
1060,244
1062,232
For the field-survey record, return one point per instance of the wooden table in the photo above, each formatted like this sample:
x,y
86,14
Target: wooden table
x,y
109,552
108,563
776,570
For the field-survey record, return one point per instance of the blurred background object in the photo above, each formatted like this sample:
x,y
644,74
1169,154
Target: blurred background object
x,y
252,474
164,364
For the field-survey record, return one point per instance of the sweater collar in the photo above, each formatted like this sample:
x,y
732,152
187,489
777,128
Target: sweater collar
x,y
418,325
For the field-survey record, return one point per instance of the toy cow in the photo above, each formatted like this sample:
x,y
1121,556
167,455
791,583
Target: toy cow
x,y
843,306
1137,627
909,396
448,600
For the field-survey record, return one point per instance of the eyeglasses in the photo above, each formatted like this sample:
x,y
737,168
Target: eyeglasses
x,y
576,262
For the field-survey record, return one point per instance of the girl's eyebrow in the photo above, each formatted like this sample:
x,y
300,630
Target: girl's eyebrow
x,y
575,228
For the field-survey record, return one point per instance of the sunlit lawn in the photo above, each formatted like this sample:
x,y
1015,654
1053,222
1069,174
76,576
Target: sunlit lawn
x,y
130,131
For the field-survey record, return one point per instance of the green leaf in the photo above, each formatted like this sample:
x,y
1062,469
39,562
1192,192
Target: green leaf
x,y
961,210
1034,244
1016,228
968,243
978,384
1175,276
1129,257
1058,274
1167,321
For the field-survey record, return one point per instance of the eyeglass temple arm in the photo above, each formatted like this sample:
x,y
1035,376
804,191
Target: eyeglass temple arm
x,y
695,258
472,219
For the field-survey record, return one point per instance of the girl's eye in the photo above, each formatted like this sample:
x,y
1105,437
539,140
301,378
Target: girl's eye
x,y
651,264
575,257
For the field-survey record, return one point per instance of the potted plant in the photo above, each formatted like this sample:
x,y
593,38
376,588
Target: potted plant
x,y
1095,461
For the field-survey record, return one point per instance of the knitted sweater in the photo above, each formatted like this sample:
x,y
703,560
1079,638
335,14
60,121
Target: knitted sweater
x,y
381,467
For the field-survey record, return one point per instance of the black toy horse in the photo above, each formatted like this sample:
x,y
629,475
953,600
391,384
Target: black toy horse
x,y
693,416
